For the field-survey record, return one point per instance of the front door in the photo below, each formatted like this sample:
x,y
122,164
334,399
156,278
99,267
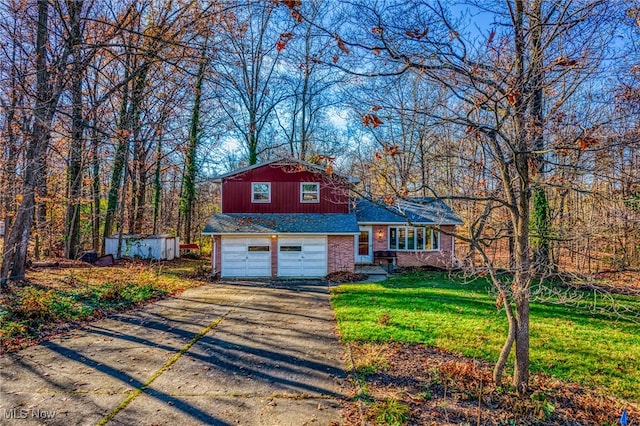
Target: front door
x,y
364,245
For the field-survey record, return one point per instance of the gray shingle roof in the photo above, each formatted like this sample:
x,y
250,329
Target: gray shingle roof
x,y
413,210
280,223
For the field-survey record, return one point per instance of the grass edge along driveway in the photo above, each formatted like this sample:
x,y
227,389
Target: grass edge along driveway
x,y
584,343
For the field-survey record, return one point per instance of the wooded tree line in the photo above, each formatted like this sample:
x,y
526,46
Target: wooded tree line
x,y
534,137
112,113
523,114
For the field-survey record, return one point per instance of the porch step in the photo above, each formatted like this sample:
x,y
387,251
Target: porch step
x,y
371,270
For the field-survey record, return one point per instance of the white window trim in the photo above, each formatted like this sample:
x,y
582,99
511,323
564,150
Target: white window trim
x,y
437,233
253,198
317,192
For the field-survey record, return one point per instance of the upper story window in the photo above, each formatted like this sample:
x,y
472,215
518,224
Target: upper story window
x,y
260,192
413,238
309,192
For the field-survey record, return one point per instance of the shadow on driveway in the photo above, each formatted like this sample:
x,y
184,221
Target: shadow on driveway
x,y
225,353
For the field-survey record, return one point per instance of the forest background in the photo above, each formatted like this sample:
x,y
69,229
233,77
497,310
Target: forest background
x,y
115,115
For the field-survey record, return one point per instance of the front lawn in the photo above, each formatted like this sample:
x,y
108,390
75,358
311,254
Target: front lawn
x,y
572,343
56,299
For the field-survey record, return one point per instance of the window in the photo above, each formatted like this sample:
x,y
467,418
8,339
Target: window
x,y
393,238
258,248
412,238
290,248
260,192
309,192
402,238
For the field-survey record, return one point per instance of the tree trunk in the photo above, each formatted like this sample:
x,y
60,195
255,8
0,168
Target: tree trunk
x,y
188,196
11,150
157,186
520,213
141,197
511,334
138,172
122,207
95,190
522,277
521,366
540,203
122,134
305,102
8,193
15,251
540,221
134,174
253,146
74,169
42,192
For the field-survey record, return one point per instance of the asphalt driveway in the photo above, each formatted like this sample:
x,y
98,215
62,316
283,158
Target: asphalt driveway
x,y
220,354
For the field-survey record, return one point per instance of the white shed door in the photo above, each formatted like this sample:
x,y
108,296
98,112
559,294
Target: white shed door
x,y
246,257
302,256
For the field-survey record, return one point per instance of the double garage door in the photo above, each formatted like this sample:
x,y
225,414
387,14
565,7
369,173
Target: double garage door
x,y
296,257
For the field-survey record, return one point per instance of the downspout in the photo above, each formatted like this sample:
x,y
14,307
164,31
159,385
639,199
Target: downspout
x,y
453,251
213,255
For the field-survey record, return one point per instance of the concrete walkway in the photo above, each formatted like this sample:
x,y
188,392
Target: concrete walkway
x,y
221,354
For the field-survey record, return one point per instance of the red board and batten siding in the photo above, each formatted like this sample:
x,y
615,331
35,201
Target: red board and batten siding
x,y
285,192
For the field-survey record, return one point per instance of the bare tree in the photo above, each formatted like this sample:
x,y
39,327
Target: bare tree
x,y
246,69
188,195
50,78
496,85
312,87
12,101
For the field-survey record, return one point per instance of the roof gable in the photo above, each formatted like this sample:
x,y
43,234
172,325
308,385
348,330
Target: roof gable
x,y
287,162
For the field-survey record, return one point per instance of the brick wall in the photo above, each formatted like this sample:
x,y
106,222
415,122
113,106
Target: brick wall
x,y
274,257
380,238
216,249
340,253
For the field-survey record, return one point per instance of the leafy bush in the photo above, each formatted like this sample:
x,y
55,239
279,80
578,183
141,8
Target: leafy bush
x,y
390,412
139,293
10,330
112,291
43,306
32,311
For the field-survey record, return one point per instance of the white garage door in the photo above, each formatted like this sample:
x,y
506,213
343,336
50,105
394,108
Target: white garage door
x,y
302,257
246,257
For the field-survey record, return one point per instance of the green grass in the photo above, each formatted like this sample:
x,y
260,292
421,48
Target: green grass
x,y
598,350
54,298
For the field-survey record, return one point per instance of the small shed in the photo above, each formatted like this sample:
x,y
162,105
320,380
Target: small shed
x,y
163,247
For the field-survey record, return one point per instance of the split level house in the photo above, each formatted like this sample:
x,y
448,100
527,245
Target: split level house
x,y
292,219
